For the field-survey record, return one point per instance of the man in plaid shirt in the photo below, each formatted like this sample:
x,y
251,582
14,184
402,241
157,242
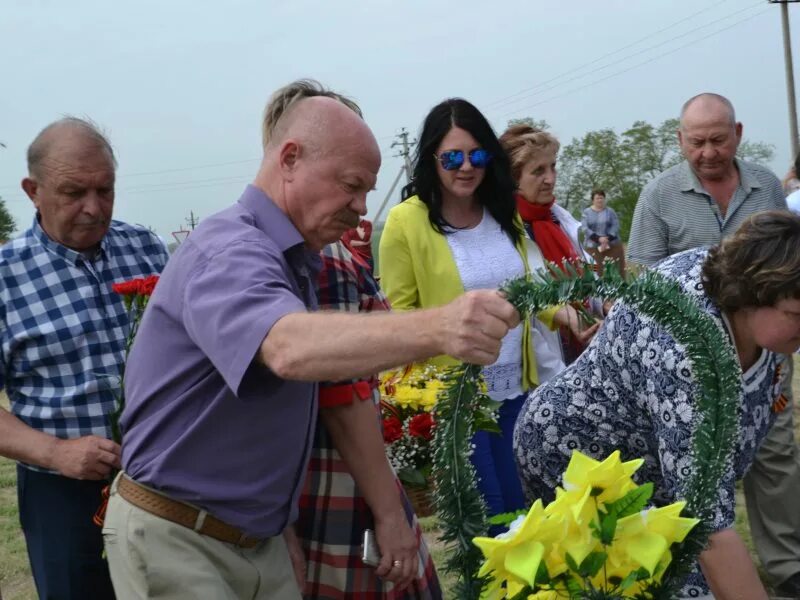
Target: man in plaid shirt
x,y
62,346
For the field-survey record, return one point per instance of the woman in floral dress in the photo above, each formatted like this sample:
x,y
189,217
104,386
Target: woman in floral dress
x,y
634,389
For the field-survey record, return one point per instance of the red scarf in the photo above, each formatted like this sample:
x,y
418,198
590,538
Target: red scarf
x,y
551,239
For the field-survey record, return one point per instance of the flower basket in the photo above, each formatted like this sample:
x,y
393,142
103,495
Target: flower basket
x,y
421,498
408,399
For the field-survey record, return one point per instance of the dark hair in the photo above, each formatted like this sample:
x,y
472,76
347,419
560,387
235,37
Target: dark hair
x,y
496,191
597,192
758,265
797,165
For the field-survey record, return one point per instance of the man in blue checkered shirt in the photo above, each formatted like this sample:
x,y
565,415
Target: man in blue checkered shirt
x,y
62,345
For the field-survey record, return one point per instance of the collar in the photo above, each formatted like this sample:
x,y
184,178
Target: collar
x,y
690,182
273,221
270,219
73,256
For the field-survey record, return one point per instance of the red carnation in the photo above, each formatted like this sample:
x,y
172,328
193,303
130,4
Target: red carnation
x,y
147,285
392,430
126,288
421,425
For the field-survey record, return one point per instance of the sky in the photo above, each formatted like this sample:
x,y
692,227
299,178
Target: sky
x,y
180,86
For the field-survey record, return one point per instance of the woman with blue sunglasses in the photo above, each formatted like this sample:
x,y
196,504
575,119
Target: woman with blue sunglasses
x,y
458,230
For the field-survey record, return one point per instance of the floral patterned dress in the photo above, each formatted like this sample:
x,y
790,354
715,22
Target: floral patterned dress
x,y
634,390
333,513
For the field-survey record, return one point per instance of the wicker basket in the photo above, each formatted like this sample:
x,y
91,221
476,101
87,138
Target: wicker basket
x,y
421,499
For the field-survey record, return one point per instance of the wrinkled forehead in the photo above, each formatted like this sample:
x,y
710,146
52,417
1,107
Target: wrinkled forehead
x,y
80,168
708,118
541,157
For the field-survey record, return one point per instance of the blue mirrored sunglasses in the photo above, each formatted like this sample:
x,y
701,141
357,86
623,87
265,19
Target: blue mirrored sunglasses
x,y
453,159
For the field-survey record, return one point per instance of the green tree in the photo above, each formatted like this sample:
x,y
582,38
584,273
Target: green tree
x,y
7,225
536,124
622,164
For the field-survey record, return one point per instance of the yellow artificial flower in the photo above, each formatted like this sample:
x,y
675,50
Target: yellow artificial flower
x,y
644,539
514,557
544,595
587,483
608,480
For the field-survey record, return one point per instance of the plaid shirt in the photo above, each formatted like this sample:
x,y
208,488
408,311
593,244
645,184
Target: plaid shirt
x,y
62,329
333,513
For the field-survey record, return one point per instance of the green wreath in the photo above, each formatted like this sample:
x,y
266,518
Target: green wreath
x,y
463,408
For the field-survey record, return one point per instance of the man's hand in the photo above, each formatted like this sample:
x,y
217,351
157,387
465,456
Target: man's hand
x,y
296,556
398,546
474,324
88,457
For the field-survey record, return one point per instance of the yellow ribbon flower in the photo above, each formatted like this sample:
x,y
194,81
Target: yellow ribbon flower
x,y
514,557
608,480
643,539
545,595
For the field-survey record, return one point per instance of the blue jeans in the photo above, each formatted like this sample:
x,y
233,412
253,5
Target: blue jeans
x,y
493,459
64,546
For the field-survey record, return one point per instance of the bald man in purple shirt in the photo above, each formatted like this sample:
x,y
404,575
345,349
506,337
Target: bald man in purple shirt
x,y
220,384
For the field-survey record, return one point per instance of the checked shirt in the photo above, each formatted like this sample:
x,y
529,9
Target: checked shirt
x,y
62,328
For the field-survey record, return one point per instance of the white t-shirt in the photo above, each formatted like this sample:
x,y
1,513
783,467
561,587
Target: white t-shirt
x,y
486,258
793,202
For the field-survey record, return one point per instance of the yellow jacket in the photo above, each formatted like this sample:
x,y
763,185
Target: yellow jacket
x,y
418,271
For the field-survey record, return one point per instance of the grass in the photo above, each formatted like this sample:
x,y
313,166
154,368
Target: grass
x,y
16,582
15,575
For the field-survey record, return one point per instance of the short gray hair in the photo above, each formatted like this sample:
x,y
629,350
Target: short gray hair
x,y
711,96
40,146
281,102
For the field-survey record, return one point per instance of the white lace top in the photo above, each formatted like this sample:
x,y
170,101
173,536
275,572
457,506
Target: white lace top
x,y
486,258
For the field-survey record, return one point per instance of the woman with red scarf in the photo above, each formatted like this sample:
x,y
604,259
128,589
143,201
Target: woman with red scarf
x,y
532,154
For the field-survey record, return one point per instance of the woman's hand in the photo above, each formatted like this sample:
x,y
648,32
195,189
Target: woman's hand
x,y
398,546
568,317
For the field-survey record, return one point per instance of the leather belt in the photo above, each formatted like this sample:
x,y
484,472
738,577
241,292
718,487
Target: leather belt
x,y
182,514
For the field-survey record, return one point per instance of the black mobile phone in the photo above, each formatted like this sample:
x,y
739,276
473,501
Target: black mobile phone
x,y
370,555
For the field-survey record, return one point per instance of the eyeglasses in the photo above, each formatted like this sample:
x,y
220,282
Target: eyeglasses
x,y
453,159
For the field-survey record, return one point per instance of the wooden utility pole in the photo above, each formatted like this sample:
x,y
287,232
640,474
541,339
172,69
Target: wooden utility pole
x,y
405,151
192,220
788,64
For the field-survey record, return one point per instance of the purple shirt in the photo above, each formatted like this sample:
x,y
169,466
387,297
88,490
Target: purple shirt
x,y
203,423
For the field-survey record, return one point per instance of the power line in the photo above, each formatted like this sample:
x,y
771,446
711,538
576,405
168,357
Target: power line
x,y
523,95
187,186
617,51
591,83
208,166
145,187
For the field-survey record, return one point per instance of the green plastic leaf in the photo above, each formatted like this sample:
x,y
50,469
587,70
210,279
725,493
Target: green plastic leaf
x,y
632,502
608,527
506,518
542,575
573,566
592,564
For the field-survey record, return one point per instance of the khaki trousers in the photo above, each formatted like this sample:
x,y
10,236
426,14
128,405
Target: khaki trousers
x,y
772,494
150,557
